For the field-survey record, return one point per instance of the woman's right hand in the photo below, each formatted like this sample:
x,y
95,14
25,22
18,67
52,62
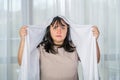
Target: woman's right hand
x,y
23,32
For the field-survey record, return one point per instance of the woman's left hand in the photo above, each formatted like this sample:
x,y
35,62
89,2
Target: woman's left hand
x,y
95,32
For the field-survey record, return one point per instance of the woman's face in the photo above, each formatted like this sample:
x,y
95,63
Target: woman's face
x,y
58,32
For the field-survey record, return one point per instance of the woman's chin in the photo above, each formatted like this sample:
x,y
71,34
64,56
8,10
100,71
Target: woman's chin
x,y
58,42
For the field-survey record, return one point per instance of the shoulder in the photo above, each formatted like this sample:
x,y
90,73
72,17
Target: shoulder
x,y
41,47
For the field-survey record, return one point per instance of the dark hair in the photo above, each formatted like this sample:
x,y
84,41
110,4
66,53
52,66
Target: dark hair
x,y
48,43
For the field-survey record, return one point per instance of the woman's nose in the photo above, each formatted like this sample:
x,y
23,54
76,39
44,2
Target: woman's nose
x,y
59,30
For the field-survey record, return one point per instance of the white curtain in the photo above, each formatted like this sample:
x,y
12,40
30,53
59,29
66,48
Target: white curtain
x,y
10,21
103,13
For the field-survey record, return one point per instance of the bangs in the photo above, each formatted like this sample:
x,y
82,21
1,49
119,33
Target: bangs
x,y
59,20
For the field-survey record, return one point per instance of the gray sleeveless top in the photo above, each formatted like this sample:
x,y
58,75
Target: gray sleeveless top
x,y
61,66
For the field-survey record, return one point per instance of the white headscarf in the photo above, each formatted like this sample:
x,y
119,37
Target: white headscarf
x,y
82,38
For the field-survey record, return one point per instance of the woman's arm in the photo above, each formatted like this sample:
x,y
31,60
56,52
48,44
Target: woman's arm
x,y
23,33
96,35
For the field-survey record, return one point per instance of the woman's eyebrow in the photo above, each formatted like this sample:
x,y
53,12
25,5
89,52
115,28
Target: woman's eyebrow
x,y
55,26
63,24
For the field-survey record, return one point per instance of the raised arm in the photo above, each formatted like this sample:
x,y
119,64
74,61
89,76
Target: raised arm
x,y
96,35
22,33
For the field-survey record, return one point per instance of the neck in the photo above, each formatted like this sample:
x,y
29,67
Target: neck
x,y
58,44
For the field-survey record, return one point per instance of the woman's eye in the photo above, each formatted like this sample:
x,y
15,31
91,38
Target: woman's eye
x,y
55,27
63,27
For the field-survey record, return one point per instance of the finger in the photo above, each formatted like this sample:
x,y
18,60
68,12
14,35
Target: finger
x,y
24,27
95,30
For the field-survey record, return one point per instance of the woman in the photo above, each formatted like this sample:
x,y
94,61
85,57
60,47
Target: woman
x,y
58,55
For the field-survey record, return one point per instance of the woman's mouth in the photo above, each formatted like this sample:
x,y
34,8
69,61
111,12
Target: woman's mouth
x,y
58,36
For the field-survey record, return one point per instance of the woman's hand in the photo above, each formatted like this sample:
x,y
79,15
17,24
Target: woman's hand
x,y
23,32
95,32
